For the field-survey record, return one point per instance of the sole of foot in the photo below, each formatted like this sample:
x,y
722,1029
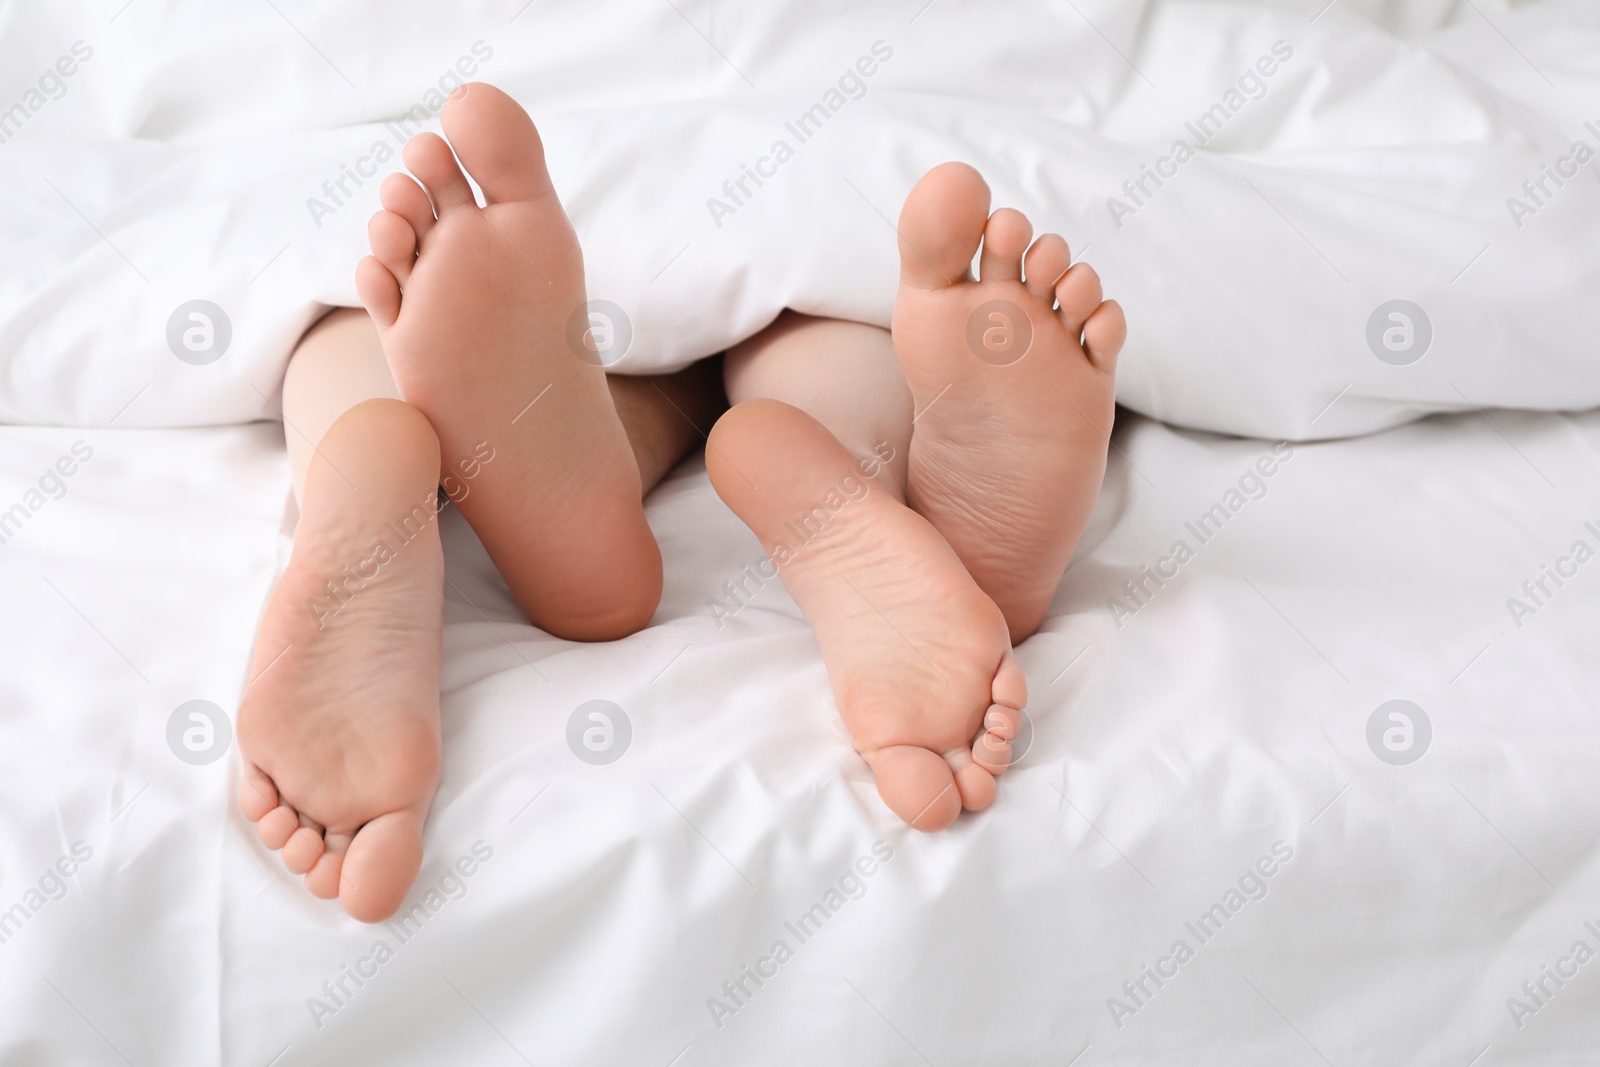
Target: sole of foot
x,y
1013,378
339,726
475,307
917,655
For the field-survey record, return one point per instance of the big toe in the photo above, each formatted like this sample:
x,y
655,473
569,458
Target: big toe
x,y
380,865
918,785
496,141
941,225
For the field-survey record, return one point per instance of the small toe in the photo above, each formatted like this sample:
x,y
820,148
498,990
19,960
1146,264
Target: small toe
x,y
1005,238
1104,335
277,826
918,786
1010,687
379,291
302,850
1002,721
322,881
975,784
394,242
1045,263
941,226
1079,293
992,749
380,865
401,194
434,165
257,794
991,752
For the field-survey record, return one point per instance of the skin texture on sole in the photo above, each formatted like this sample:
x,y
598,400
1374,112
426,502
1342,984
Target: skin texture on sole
x,y
339,726
1009,447
919,661
474,306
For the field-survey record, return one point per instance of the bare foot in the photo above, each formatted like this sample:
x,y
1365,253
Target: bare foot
x,y
921,668
1009,447
339,727
479,344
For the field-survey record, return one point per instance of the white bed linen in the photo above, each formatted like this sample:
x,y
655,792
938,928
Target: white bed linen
x,y
1171,754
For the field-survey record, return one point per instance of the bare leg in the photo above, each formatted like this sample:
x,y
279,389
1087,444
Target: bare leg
x,y
339,363
813,457
844,375
916,608
484,321
668,416
339,726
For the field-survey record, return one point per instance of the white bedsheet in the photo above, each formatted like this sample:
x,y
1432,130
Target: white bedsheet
x,y
232,153
1172,754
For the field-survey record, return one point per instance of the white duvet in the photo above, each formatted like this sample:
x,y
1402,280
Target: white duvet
x,y
1257,182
